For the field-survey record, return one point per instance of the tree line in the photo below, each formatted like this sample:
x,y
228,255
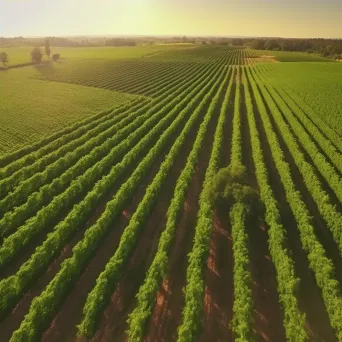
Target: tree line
x,y
331,48
120,42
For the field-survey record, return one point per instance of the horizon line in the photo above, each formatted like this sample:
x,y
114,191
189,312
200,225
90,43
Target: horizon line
x,y
167,36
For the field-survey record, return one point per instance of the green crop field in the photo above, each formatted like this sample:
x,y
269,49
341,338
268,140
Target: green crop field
x,y
171,193
45,107
18,55
288,56
316,85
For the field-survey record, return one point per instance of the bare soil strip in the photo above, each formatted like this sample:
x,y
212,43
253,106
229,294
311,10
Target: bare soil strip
x,y
218,301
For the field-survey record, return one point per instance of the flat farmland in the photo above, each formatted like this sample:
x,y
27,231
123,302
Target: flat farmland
x,y
109,230
19,55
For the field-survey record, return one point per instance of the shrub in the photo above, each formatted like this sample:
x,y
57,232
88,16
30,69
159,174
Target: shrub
x,y
231,185
36,55
56,56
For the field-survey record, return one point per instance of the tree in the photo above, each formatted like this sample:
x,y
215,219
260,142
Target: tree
x,y
272,44
231,185
237,41
4,58
55,57
47,47
257,44
286,45
36,55
329,50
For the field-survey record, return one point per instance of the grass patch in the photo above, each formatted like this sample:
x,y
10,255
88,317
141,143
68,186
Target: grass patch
x,y
18,55
288,56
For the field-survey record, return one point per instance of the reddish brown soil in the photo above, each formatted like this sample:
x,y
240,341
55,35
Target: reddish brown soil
x,y
218,301
166,315
268,315
309,295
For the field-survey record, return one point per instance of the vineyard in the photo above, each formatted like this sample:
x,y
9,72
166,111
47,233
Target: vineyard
x,y
108,227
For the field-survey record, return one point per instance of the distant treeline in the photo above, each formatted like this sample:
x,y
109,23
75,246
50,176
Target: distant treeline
x,y
120,42
331,48
54,41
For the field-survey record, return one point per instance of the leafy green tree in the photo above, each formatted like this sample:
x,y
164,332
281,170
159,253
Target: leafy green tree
x,y
36,55
4,58
231,185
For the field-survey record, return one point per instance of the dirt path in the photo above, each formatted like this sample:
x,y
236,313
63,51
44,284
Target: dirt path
x,y
218,301
268,315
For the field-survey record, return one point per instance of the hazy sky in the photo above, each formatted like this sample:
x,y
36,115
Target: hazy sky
x,y
285,18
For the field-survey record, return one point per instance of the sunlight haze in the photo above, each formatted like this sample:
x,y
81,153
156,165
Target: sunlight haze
x,y
177,17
